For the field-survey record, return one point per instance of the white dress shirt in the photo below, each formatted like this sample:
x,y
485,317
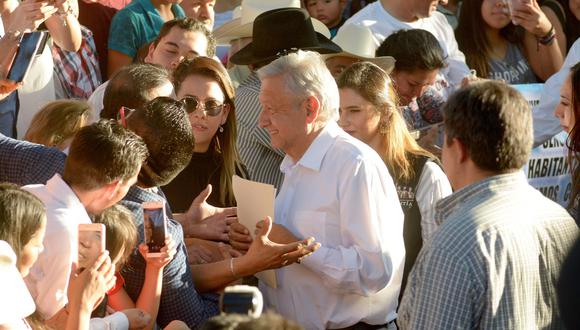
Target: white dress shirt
x,y
48,278
341,193
433,185
382,24
546,124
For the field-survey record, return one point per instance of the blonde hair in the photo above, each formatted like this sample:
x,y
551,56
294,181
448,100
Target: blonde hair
x,y
375,86
57,122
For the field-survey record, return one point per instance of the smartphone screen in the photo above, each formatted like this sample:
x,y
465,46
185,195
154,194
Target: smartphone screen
x,y
154,224
28,49
91,244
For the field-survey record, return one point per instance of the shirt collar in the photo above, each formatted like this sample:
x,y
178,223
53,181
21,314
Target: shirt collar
x,y
446,206
314,155
63,192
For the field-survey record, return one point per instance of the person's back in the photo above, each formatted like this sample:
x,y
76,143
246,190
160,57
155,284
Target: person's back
x,y
506,233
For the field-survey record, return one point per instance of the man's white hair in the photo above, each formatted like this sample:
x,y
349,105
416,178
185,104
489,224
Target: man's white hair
x,y
305,74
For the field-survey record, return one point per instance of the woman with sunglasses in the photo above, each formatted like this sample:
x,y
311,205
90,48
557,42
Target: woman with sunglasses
x,y
205,88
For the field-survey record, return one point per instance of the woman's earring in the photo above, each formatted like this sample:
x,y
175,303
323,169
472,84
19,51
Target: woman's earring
x,y
221,129
383,128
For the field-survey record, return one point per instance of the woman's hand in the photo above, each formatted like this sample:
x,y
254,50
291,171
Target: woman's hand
x,y
529,15
88,286
29,15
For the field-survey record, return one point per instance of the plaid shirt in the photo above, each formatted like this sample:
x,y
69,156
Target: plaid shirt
x,y
25,163
494,261
261,159
78,72
179,299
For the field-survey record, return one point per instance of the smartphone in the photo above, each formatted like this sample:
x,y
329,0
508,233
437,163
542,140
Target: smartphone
x,y
91,244
154,226
31,46
242,299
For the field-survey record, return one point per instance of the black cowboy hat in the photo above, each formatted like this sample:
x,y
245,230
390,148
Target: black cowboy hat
x,y
279,31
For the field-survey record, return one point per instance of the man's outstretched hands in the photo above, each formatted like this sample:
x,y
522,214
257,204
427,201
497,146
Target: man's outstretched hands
x,y
264,254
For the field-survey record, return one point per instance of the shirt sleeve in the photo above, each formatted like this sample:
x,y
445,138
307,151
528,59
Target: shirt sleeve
x,y
123,36
546,124
439,294
433,185
371,253
116,321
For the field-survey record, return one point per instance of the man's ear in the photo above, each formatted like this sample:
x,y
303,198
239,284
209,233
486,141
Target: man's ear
x,y
462,151
149,57
110,189
312,105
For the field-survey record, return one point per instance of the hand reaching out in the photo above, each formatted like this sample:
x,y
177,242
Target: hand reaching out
x,y
29,15
529,15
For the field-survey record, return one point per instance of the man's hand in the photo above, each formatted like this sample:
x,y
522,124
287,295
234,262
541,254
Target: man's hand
x,y
240,238
204,252
7,87
214,228
138,319
278,233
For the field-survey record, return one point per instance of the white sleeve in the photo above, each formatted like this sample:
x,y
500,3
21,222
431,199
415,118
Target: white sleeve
x,y
48,279
546,124
116,321
433,185
371,227
456,69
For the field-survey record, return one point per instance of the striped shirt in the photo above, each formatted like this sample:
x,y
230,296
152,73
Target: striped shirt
x,y
494,261
261,159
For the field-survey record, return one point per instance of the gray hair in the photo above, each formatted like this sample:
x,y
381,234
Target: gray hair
x,y
305,74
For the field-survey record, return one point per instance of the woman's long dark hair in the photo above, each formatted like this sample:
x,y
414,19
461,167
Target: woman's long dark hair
x,y
574,137
471,37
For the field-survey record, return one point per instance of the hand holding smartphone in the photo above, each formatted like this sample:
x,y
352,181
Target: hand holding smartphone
x,y
154,227
91,244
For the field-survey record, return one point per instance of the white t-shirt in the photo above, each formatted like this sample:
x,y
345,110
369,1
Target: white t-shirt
x,y
48,278
382,24
546,124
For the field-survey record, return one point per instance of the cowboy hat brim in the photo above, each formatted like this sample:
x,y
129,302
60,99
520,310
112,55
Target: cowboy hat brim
x,y
234,29
387,63
247,55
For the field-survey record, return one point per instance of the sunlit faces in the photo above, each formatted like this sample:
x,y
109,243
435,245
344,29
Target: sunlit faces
x,y
328,12
176,46
284,120
564,110
495,14
337,64
358,117
204,126
201,10
31,250
410,85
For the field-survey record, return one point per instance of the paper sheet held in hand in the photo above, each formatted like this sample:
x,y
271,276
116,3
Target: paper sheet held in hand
x,y
255,202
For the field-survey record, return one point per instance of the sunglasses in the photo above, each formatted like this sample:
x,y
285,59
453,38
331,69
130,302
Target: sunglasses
x,y
123,114
211,108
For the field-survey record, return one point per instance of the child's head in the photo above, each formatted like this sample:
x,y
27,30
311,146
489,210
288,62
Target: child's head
x,y
57,122
328,12
121,232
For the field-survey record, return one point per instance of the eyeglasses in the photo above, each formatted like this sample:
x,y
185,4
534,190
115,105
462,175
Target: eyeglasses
x,y
123,114
211,108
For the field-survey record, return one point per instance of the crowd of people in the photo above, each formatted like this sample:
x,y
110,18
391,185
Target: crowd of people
x,y
389,130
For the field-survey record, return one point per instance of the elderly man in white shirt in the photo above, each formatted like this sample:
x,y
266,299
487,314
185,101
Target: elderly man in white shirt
x,y
336,189
103,164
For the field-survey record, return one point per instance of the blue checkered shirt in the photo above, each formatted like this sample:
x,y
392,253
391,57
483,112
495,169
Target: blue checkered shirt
x,y
179,299
494,261
25,163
